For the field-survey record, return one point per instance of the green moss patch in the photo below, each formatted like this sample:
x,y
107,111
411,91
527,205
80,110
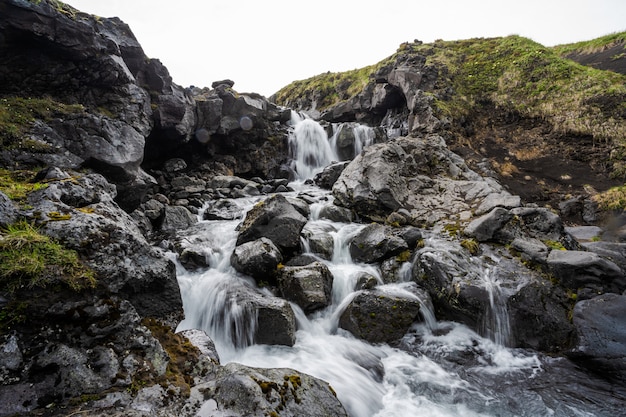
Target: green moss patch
x,y
17,114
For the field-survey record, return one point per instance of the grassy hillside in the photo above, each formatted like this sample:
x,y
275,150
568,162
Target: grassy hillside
x,y
594,45
514,74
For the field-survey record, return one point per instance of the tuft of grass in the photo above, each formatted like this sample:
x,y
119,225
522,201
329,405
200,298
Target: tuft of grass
x,y
612,199
17,184
329,88
29,259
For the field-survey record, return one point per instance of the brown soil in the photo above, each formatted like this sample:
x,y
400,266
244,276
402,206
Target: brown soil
x,y
531,160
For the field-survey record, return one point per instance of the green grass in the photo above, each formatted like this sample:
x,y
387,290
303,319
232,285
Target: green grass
x,y
17,184
612,199
330,87
29,259
592,46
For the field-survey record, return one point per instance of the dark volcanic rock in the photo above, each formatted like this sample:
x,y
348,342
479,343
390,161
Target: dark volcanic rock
x,y
308,286
8,211
381,315
576,269
402,174
601,343
375,243
83,216
275,219
259,259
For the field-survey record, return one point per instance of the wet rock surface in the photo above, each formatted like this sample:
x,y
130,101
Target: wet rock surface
x,y
381,316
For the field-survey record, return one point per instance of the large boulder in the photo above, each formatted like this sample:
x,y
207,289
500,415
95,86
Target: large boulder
x,y
242,391
577,269
275,219
329,175
382,315
82,215
403,174
308,286
601,342
259,259
494,294
375,243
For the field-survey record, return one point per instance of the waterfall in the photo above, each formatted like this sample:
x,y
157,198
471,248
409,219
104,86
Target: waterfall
x,y
364,136
349,139
496,325
309,147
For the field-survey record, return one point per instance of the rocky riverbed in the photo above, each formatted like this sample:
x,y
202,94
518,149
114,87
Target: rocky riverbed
x,y
232,257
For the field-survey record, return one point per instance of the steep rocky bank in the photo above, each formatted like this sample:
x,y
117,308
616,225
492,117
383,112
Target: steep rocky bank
x,y
104,158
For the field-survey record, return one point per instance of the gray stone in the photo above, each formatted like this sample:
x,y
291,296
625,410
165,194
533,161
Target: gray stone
x,y
375,243
577,269
601,342
531,249
485,227
177,218
238,389
336,214
275,219
8,211
223,209
327,178
418,174
381,315
308,286
503,200
321,242
110,242
259,259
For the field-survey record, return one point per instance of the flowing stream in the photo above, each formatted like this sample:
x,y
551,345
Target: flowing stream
x,y
437,369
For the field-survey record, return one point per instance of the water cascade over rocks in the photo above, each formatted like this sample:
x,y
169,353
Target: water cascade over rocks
x,y
309,147
378,338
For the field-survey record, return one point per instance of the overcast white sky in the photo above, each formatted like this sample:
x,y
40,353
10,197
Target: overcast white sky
x,y
263,45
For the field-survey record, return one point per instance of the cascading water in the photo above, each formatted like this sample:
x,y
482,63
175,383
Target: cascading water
x,y
496,325
437,369
309,147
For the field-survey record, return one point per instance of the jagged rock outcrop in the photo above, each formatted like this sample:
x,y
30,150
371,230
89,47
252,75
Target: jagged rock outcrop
x,y
470,289
80,213
244,132
73,58
420,175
